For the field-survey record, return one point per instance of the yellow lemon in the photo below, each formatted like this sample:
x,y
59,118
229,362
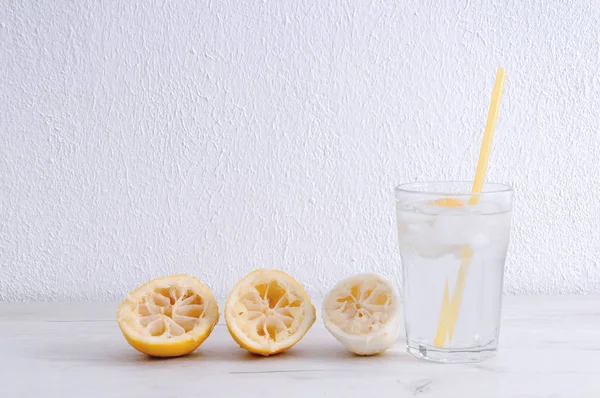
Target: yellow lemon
x,y
168,317
363,313
448,202
268,311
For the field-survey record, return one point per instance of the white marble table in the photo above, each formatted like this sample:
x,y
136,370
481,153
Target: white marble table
x,y
550,347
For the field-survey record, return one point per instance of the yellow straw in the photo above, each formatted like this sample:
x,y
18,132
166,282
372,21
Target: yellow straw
x,y
449,308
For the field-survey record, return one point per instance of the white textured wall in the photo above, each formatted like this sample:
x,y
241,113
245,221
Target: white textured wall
x,y
216,137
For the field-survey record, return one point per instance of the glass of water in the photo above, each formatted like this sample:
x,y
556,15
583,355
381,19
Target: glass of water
x,y
453,246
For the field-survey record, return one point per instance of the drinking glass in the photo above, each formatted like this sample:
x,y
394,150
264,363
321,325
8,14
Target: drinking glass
x,y
453,246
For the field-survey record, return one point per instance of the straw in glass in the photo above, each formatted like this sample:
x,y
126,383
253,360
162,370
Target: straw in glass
x,y
450,308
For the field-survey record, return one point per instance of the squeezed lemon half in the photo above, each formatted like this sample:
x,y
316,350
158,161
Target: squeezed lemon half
x,y
268,312
363,313
168,317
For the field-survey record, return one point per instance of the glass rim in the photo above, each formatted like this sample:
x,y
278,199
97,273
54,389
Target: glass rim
x,y
412,188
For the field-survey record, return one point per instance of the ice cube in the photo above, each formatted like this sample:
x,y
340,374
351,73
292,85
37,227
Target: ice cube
x,y
449,230
485,207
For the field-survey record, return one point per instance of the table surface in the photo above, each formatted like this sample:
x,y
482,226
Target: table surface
x,y
549,347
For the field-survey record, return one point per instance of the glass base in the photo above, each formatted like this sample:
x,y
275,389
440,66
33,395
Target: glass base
x,y
452,355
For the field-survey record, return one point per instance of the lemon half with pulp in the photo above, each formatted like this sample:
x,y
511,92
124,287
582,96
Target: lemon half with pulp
x,y
168,317
363,313
268,312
